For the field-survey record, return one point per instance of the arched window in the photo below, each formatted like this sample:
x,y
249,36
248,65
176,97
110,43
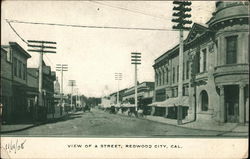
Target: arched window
x,y
167,75
204,100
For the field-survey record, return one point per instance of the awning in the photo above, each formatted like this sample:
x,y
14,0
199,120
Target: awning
x,y
154,104
170,102
127,105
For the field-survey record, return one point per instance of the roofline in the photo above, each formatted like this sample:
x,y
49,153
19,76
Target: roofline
x,y
3,50
132,87
196,24
177,46
169,51
20,48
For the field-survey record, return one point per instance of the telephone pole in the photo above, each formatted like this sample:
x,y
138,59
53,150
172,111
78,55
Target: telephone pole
x,y
41,47
136,60
118,77
181,22
72,83
61,68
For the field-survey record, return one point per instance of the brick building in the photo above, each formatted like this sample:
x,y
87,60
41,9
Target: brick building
x,y
215,70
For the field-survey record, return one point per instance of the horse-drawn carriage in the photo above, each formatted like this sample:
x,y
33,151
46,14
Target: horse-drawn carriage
x,y
86,108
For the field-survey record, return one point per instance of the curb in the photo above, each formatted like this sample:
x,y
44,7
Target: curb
x,y
224,131
32,126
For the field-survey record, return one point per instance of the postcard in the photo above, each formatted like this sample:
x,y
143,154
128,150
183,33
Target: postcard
x,y
124,79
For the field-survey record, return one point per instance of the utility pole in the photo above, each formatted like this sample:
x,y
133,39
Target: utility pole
x,y
77,98
72,83
41,47
136,60
118,77
61,68
181,22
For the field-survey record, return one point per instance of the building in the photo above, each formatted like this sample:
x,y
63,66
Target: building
x,y
48,107
32,91
14,82
216,69
105,102
145,91
57,86
113,97
6,86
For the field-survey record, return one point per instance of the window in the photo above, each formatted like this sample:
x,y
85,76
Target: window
x,y
204,101
15,66
159,78
156,79
185,91
24,72
163,77
198,62
183,72
187,70
167,75
204,51
172,92
177,73
19,69
173,74
231,50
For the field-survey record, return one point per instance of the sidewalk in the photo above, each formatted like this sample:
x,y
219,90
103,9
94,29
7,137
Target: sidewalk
x,y
8,128
203,125
199,125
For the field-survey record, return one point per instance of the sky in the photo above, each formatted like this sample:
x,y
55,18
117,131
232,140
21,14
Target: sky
x,y
95,55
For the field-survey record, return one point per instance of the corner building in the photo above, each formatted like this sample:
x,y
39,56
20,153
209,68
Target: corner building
x,y
215,70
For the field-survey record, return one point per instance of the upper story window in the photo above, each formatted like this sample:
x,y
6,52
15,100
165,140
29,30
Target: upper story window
x,y
163,77
198,62
19,69
187,70
183,72
185,91
24,71
156,79
159,78
204,52
15,66
167,75
231,50
177,73
173,74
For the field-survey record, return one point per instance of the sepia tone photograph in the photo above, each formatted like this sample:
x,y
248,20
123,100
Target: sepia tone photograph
x,y
124,69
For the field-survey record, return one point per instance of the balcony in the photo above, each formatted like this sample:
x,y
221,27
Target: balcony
x,y
201,76
231,74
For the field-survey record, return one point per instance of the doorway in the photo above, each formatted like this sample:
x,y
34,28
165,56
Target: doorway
x,y
232,103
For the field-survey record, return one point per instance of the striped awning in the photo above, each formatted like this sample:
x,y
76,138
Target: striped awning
x,y
171,102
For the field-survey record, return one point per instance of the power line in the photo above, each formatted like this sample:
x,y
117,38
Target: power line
x,y
87,26
130,10
14,30
49,59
